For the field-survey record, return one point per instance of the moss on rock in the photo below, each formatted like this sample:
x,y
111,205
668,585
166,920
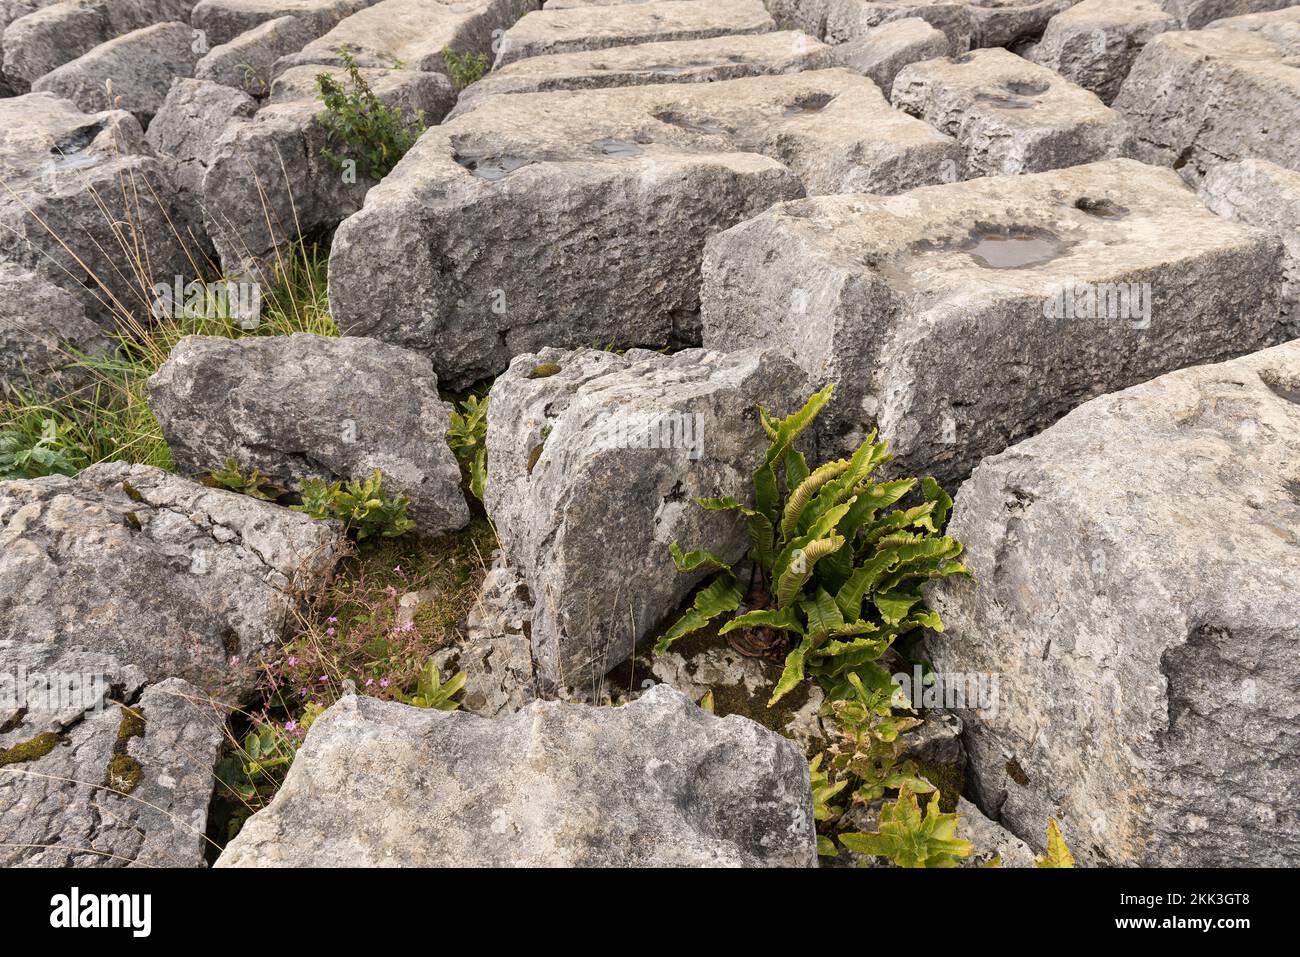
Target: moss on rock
x,y
32,750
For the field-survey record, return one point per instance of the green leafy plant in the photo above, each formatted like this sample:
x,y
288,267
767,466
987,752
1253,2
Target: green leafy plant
x,y
837,567
254,484
909,838
362,505
430,692
24,454
870,747
466,68
1058,853
468,440
371,134
254,769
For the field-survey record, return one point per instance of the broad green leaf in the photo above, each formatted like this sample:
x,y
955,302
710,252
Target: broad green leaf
x,y
1058,854
786,619
792,673
721,596
694,561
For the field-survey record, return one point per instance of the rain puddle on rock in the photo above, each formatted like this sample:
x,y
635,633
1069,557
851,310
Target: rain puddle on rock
x,y
709,127
493,168
1003,101
614,147
809,105
1003,248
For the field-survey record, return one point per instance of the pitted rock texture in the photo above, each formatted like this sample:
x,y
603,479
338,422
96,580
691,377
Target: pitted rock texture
x,y
1136,566
87,780
153,569
655,783
1009,115
44,331
87,204
572,218
580,27
1228,92
962,318
673,61
966,23
592,470
304,406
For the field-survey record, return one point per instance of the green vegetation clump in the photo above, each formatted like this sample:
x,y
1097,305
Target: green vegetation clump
x,y
362,505
464,69
124,771
33,750
909,838
254,484
544,370
468,440
369,133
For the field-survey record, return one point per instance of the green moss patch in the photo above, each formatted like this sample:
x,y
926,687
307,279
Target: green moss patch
x,y
123,773
33,750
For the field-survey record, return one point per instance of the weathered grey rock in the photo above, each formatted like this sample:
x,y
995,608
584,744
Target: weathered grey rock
x,y
305,406
132,72
592,472
1009,115
155,570
103,795
571,29
1094,43
11,10
966,23
414,33
87,205
1259,193
1137,566
657,782
268,180
43,330
223,20
991,839
674,61
248,61
187,126
58,33
962,318
1195,99
884,50
578,217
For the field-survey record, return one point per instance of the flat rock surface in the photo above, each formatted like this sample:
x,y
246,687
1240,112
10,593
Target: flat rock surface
x,y
153,569
574,218
654,783
1136,566
44,330
941,312
304,406
1009,115
575,28
673,61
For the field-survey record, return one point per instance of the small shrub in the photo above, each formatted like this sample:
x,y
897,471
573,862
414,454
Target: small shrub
x,y
837,567
465,69
468,440
362,505
372,134
909,838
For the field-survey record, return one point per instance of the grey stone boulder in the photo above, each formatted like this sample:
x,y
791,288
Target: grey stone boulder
x,y
88,205
188,124
306,406
967,25
11,10
1095,42
413,33
884,50
248,61
1010,115
44,330
960,319
592,468
579,217
655,783
990,839
89,781
575,28
132,72
155,570
1195,99
670,61
1258,193
268,180
223,20
56,34
1136,568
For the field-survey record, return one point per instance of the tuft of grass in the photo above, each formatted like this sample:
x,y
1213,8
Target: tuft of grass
x,y
110,420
